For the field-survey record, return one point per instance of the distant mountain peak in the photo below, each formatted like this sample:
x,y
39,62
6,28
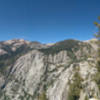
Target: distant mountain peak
x,y
22,41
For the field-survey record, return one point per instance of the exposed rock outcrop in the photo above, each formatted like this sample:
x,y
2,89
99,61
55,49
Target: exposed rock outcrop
x,y
62,71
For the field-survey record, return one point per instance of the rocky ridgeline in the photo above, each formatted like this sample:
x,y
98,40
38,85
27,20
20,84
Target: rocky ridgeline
x,y
63,71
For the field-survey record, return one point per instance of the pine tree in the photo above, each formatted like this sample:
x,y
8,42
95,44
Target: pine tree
x,y
98,26
97,35
97,78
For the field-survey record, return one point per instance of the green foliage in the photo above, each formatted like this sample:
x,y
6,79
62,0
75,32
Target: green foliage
x,y
86,98
95,23
63,45
75,87
97,35
42,96
97,76
98,65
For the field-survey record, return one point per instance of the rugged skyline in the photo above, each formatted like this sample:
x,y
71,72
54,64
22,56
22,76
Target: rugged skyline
x,y
64,71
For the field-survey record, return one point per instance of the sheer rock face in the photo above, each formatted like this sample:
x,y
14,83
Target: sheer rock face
x,y
59,76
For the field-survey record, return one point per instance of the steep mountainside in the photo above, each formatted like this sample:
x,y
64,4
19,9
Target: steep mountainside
x,y
11,50
63,71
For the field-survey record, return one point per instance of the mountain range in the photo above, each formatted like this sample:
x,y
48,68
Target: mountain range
x,y
65,70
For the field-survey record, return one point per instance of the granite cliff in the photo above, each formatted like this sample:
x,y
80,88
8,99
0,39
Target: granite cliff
x,y
65,70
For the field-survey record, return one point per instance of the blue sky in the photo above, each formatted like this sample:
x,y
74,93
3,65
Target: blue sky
x,y
48,21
